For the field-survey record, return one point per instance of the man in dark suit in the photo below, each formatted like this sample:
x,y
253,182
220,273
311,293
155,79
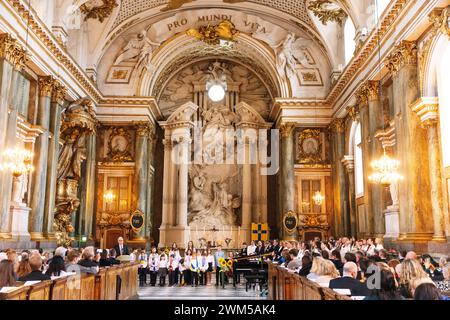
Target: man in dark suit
x,y
36,274
121,249
277,249
348,281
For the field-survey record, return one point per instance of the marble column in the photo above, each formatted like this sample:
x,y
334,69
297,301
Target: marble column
x,y
349,165
150,185
38,193
12,60
87,218
246,191
367,159
287,175
376,151
340,186
166,205
416,223
57,103
428,111
183,187
141,166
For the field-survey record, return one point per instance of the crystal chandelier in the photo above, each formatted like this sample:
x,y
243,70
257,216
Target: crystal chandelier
x,y
318,198
18,161
385,170
109,196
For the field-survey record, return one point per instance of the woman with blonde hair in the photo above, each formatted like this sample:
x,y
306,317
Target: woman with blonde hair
x,y
326,272
411,276
313,273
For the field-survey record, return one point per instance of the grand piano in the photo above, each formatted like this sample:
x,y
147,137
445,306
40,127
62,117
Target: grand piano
x,y
253,268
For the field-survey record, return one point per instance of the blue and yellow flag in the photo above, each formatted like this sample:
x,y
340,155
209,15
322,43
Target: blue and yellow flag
x,y
260,231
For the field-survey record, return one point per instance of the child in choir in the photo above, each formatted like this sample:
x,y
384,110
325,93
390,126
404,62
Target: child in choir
x,y
142,268
153,265
174,250
181,269
194,269
187,268
203,267
173,270
211,266
162,269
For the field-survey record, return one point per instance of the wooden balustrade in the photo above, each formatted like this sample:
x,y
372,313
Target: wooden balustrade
x,y
285,285
111,283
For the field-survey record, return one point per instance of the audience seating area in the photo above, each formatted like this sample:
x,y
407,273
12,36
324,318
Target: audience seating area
x,y
110,283
285,285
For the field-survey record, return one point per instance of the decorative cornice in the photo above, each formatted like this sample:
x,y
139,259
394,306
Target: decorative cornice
x,y
57,50
337,125
142,128
46,85
428,110
59,92
325,15
367,49
12,52
286,129
405,53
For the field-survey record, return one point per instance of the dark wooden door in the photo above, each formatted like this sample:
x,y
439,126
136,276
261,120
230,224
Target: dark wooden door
x,y
112,236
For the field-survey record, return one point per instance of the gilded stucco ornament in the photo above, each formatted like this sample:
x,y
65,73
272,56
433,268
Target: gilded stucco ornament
x,y
337,125
309,147
119,145
327,11
212,35
78,121
98,9
441,20
405,53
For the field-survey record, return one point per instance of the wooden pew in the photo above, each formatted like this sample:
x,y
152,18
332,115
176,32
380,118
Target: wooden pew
x,y
40,291
285,285
112,283
21,293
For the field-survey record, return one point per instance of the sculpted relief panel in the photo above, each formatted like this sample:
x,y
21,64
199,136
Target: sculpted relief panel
x,y
180,89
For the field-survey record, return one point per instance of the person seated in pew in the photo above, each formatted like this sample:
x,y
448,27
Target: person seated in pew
x,y
251,249
326,272
387,289
295,263
7,275
348,281
306,265
36,273
87,261
24,265
56,266
112,257
104,259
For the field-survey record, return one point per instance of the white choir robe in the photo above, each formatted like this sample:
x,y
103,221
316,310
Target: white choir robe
x,y
153,262
172,264
202,263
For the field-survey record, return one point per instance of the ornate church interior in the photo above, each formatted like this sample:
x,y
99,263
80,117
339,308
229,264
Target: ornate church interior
x,y
222,122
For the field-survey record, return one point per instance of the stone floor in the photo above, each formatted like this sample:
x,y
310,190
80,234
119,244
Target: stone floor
x,y
210,292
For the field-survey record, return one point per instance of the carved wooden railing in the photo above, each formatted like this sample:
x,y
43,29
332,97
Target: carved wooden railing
x,y
110,283
285,285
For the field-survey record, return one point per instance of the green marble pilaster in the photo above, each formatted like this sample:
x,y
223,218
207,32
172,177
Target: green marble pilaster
x,y
141,174
39,180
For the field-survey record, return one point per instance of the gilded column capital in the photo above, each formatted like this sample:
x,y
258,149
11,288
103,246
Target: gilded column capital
x,y
369,91
142,129
405,53
337,125
353,112
46,85
58,92
12,52
440,18
286,129
428,110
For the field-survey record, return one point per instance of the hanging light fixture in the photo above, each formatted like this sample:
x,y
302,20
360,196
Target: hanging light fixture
x,y
385,169
109,196
318,198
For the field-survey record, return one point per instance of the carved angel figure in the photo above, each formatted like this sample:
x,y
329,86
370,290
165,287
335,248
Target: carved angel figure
x,y
140,47
290,53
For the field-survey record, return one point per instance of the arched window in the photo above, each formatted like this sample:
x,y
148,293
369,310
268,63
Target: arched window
x,y
349,38
359,172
